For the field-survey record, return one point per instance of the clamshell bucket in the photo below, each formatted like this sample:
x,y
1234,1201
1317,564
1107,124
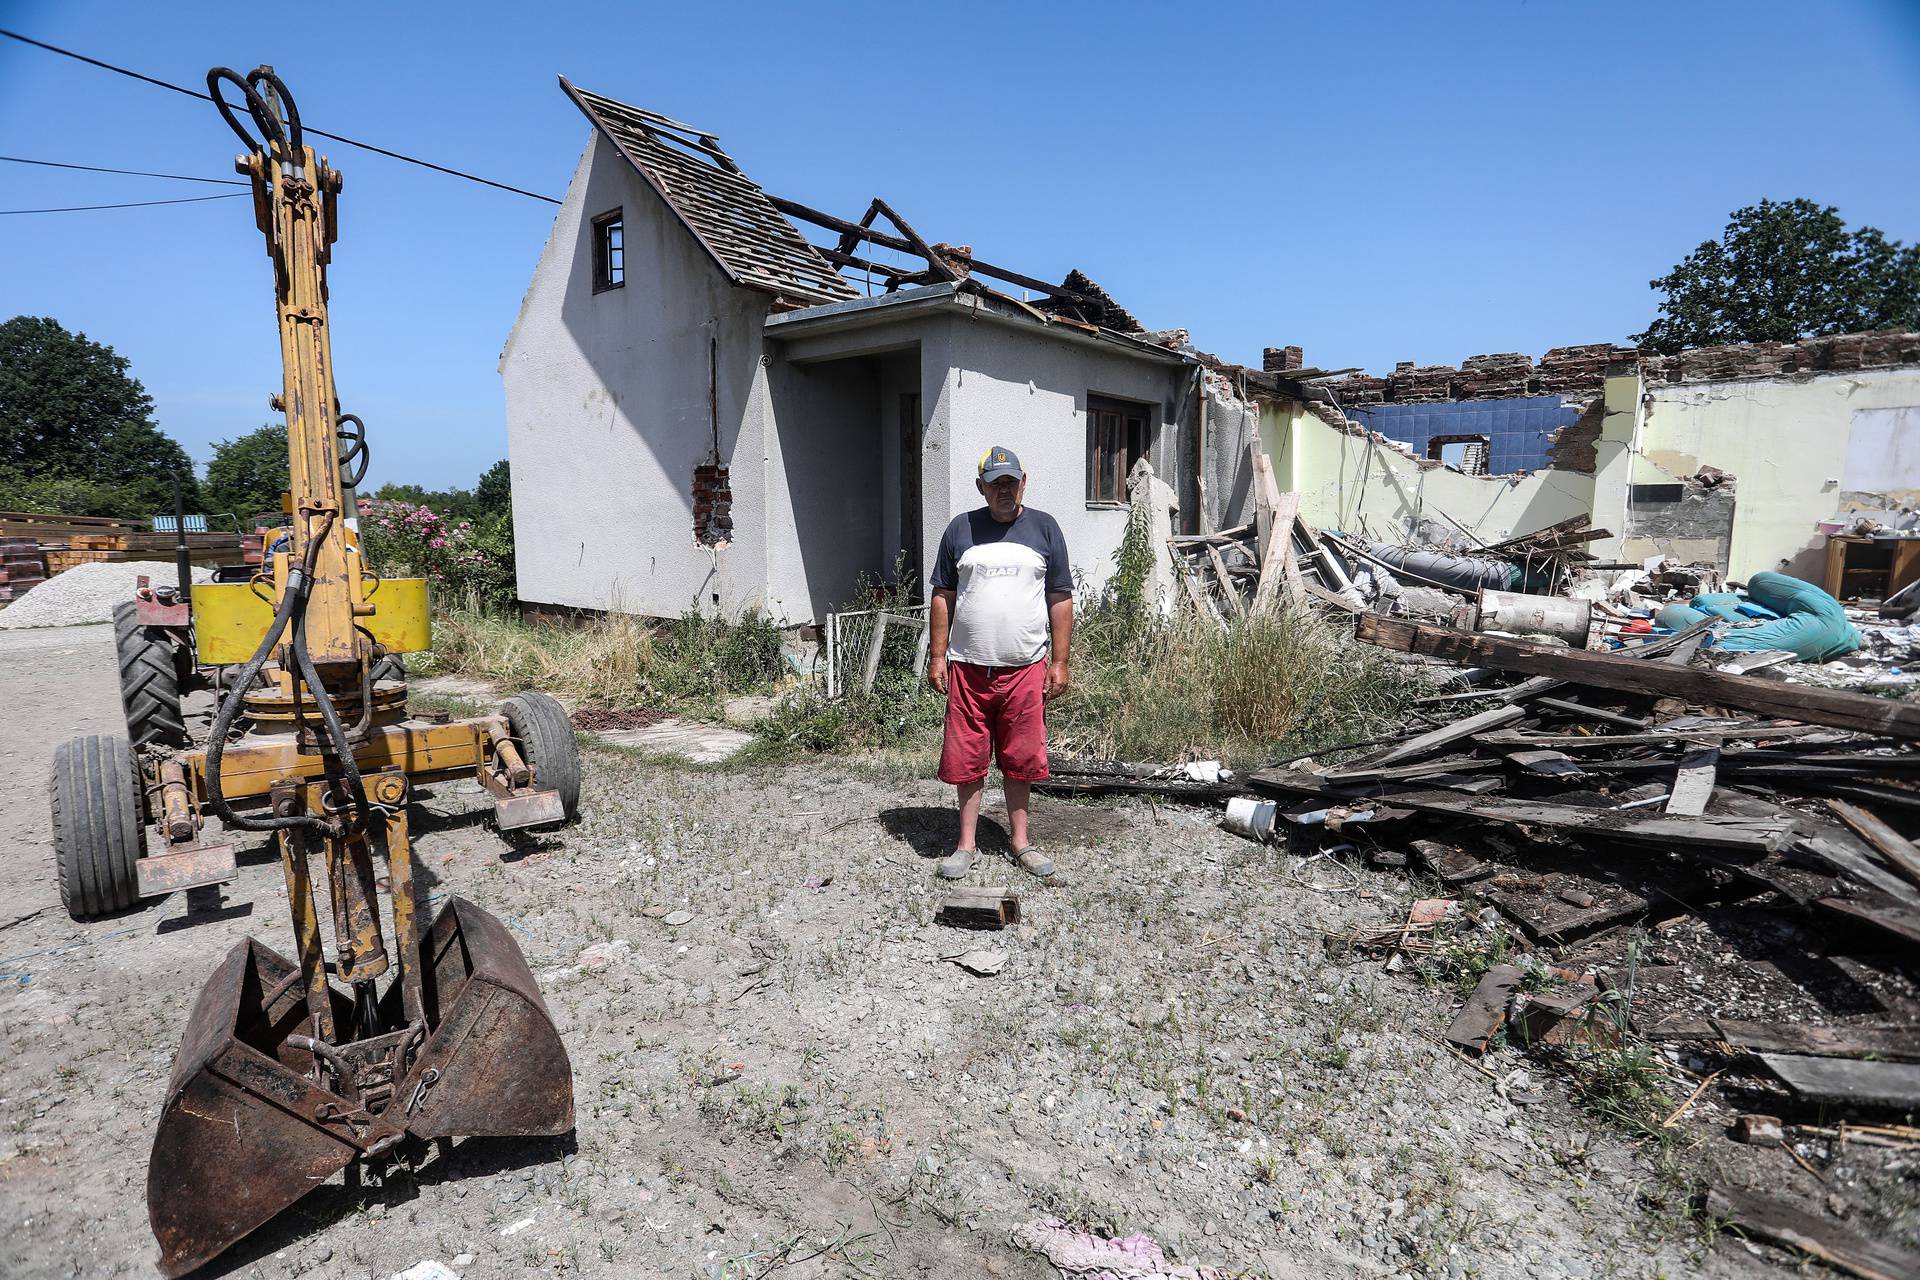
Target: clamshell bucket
x,y
257,1113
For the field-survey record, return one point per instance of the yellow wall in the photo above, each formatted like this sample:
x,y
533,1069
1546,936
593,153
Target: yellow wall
x,y
1348,483
1785,442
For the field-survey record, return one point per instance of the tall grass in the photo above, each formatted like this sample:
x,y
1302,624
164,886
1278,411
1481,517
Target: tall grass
x,y
1276,684
615,659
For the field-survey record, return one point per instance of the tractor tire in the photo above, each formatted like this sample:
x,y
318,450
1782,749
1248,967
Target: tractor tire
x,y
545,735
97,833
149,683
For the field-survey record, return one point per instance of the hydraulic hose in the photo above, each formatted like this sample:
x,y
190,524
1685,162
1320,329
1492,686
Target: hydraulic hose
x,y
342,744
291,612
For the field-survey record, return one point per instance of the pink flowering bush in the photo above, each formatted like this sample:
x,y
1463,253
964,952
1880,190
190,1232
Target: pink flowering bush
x,y
460,559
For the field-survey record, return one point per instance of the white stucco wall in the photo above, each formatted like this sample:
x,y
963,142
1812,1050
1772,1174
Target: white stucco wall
x,y
1790,444
1027,390
607,412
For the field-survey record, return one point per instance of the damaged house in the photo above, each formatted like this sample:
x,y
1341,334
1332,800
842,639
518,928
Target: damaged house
x,y
1739,457
709,410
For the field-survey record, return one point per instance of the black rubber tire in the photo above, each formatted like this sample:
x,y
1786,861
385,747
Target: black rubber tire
x,y
97,833
545,737
149,683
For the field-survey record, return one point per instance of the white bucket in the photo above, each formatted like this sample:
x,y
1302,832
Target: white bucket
x,y
1249,817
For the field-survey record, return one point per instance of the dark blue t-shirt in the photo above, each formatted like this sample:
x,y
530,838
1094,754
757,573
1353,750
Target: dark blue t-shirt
x,y
1001,575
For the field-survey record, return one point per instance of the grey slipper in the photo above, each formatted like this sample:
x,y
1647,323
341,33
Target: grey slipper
x,y
1033,861
956,864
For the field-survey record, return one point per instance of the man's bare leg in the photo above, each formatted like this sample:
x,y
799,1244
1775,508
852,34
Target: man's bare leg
x,y
965,853
1019,793
970,793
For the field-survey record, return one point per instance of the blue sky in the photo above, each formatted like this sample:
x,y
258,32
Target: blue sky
x,y
1374,181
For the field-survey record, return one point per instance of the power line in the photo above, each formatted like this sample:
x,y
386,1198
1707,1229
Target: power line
x,y
137,173
137,204
319,133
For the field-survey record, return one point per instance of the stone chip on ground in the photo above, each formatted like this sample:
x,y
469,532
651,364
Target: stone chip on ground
x,y
87,593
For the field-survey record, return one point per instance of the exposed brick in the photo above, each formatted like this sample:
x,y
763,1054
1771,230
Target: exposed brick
x,y
1282,359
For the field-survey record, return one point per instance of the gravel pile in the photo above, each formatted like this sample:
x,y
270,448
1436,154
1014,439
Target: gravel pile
x,y
86,593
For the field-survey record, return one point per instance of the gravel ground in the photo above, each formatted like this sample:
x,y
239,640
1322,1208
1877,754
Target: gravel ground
x,y
87,593
796,1070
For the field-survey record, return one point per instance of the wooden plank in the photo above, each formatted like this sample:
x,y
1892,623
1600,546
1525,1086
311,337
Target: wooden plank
x,y
1634,826
1588,741
1227,588
1833,852
1485,1012
1592,712
1693,782
1424,769
1185,572
1847,1082
1277,566
1450,865
1554,764
1900,851
980,909
1266,494
1788,1224
1420,744
1898,922
1894,1044
874,647
1611,671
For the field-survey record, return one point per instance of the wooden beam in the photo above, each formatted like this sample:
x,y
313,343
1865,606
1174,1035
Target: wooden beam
x,y
1900,851
1693,783
1226,582
1789,1224
1669,833
1853,711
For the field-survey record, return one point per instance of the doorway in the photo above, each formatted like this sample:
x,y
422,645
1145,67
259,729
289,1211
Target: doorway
x,y
911,562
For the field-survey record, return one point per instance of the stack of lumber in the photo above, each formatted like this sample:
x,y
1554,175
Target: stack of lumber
x,y
64,541
21,567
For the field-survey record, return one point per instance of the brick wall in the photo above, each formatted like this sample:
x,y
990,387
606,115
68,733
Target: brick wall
x,y
1574,373
712,505
1838,354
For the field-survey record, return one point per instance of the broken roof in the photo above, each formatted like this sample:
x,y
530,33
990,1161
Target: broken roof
x,y
1093,305
747,232
727,212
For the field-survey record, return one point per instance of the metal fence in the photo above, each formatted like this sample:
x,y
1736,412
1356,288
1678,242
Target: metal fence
x,y
862,643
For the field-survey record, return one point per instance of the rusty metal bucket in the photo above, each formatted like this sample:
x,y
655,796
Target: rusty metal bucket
x,y
257,1114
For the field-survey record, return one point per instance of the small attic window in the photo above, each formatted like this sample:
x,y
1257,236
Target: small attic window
x,y
609,251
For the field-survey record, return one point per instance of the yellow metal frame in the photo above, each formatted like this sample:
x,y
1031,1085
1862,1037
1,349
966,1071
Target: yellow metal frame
x,y
229,618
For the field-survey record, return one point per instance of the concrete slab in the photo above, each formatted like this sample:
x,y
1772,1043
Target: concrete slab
x,y
462,687
747,708
699,742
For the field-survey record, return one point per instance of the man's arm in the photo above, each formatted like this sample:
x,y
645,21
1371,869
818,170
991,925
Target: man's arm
x,y
1060,629
939,628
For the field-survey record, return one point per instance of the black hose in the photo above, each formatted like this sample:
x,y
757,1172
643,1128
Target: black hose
x,y
342,744
292,603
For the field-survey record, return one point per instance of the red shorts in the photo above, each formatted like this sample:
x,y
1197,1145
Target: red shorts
x,y
998,711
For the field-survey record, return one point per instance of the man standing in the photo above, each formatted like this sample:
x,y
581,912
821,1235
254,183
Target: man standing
x,y
1002,622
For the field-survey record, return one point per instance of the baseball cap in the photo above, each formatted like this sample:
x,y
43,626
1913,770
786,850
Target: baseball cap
x,y
1000,461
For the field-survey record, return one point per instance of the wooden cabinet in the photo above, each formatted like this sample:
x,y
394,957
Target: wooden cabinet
x,y
1870,568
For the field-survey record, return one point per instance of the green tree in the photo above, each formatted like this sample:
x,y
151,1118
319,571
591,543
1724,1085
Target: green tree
x,y
76,429
1786,270
248,475
493,494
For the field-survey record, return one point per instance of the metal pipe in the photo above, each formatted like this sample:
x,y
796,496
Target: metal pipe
x,y
182,554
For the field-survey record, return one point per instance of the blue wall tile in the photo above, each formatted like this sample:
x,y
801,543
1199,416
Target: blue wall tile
x,y
1517,429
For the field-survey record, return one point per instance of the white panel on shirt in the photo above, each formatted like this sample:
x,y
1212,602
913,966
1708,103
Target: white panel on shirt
x,y
1000,606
